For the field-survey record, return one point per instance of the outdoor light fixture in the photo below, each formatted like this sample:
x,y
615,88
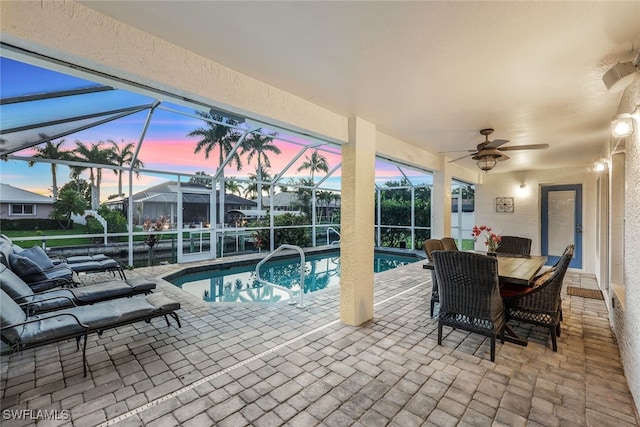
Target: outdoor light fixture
x,y
622,125
487,158
522,190
621,74
600,166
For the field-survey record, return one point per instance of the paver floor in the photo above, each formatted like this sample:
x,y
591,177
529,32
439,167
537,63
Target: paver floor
x,y
235,364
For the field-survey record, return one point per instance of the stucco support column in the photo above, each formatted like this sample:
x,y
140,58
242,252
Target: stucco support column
x,y
357,222
441,202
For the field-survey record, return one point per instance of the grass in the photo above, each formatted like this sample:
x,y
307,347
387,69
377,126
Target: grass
x,y
17,235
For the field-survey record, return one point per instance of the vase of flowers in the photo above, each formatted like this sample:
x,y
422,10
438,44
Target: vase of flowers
x,y
491,239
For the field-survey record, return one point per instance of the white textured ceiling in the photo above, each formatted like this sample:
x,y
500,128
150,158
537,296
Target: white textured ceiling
x,y
430,73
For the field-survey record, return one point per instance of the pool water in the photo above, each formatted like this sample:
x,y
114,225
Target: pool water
x,y
238,284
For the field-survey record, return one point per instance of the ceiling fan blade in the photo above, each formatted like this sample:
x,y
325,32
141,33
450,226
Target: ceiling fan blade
x,y
503,158
463,157
525,147
496,143
457,151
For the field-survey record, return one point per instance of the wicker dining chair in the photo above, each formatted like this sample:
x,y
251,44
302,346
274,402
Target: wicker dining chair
x,y
470,294
449,244
515,245
429,246
542,306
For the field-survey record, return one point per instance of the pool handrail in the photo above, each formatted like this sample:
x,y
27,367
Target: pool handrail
x,y
335,241
287,290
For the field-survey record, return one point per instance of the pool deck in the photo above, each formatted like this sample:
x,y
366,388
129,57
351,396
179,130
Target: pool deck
x,y
234,364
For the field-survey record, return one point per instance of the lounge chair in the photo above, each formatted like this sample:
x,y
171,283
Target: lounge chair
x,y
99,263
56,299
37,271
20,331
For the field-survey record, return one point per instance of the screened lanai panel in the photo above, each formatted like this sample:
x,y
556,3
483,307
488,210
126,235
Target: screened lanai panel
x,y
22,122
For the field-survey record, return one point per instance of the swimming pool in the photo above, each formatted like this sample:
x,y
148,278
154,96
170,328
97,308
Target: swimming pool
x,y
238,284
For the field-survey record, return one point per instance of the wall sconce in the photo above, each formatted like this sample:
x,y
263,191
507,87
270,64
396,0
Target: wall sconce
x,y
622,125
600,166
522,190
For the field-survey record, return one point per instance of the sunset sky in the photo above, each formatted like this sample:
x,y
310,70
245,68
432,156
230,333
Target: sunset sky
x,y
166,146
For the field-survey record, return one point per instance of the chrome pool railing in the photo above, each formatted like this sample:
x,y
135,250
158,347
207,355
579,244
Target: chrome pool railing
x,y
335,242
283,288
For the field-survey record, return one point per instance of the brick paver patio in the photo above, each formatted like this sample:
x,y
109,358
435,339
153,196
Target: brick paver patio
x,y
234,364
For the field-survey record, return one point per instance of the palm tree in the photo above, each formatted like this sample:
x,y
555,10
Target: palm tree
x,y
315,163
96,154
51,151
258,145
255,189
232,186
220,136
124,156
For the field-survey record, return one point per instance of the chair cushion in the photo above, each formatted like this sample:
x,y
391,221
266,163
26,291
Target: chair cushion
x,y
10,314
141,284
101,291
541,279
23,266
162,303
39,256
14,286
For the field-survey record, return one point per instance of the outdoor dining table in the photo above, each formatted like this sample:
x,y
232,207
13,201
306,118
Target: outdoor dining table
x,y
514,271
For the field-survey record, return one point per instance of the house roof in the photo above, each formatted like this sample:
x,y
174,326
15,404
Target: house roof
x,y
166,192
11,194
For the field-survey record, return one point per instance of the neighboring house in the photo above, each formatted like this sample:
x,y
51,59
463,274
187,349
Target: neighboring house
x,y
289,202
16,203
160,202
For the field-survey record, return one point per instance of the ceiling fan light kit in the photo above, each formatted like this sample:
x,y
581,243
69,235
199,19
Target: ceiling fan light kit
x,y
488,153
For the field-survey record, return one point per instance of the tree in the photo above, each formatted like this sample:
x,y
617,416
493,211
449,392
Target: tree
x,y
200,180
80,186
69,202
96,154
252,189
122,156
257,146
220,136
51,151
232,186
314,163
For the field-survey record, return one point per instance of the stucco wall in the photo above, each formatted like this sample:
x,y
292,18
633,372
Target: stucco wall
x,y
627,326
525,220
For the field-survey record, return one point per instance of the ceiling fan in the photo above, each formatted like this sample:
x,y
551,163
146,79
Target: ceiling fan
x,y
488,153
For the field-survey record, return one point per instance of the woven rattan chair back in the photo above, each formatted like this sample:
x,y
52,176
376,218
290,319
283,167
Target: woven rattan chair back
x,y
515,245
449,244
430,246
469,294
543,305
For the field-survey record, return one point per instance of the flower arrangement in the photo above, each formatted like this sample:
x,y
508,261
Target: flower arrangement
x,y
492,240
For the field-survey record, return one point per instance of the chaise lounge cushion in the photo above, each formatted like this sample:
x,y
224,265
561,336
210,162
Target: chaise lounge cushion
x,y
63,323
20,292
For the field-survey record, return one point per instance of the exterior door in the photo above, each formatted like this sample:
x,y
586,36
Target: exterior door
x,y
562,222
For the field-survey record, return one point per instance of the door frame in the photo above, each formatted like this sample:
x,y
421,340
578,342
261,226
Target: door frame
x,y
576,261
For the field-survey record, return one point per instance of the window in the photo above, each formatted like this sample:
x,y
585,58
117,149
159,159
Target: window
x,y
17,209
